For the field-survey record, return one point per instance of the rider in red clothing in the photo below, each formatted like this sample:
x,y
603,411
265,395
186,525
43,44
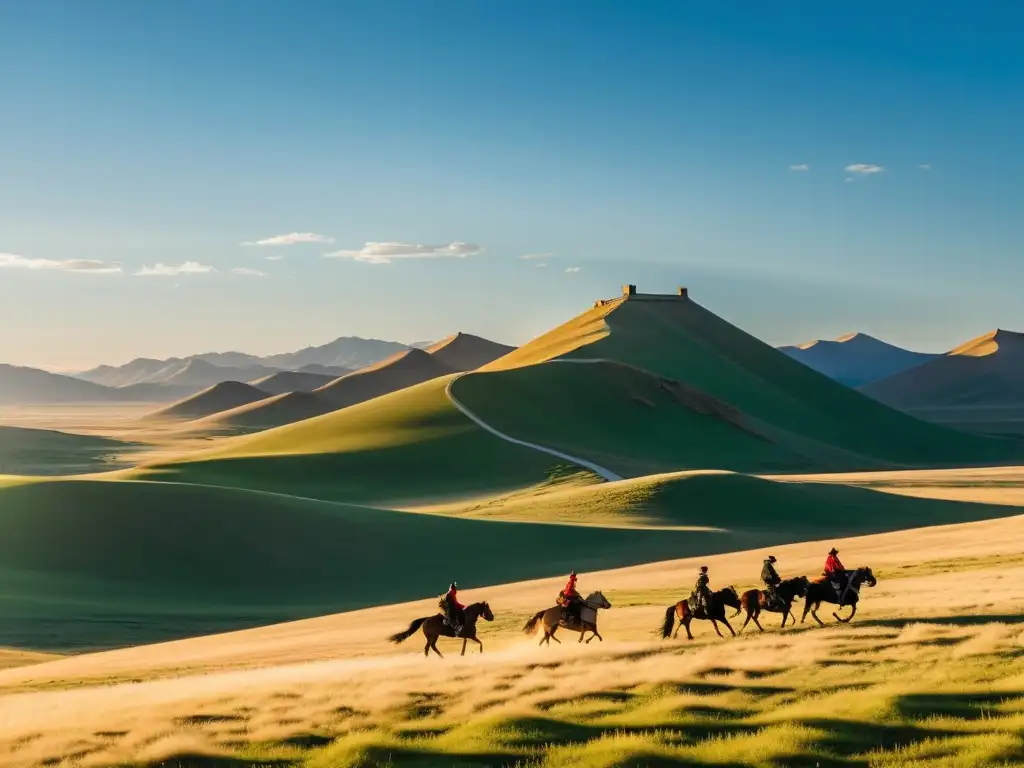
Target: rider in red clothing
x,y
456,610
571,599
832,564
834,572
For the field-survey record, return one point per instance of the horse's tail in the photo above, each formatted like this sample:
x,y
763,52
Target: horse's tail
x,y
401,636
531,625
670,619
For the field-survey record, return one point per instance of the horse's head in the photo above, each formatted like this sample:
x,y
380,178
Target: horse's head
x,y
599,600
482,610
801,584
866,576
730,597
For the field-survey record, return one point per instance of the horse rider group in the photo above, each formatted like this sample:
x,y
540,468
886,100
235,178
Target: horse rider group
x,y
571,601
700,598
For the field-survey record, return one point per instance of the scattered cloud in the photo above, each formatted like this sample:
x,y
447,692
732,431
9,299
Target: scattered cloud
x,y
541,265
385,253
573,270
274,258
245,271
14,261
864,169
925,166
537,256
800,167
292,238
848,178
173,270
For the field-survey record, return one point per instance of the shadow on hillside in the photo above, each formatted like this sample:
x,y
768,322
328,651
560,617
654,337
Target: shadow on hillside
x,y
210,761
963,706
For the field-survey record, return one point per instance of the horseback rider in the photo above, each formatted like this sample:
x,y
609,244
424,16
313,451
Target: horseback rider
x,y
456,610
771,579
702,592
835,572
572,601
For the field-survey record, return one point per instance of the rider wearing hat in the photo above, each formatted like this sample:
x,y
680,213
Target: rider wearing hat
x,y
770,578
456,610
834,572
702,591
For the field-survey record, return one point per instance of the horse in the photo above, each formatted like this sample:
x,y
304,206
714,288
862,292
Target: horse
x,y
551,620
819,592
683,612
435,627
756,600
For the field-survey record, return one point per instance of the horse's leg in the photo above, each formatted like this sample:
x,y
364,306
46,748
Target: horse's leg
x,y
480,643
728,626
464,641
853,612
814,613
426,648
433,646
583,632
689,635
714,624
785,613
807,608
596,634
552,635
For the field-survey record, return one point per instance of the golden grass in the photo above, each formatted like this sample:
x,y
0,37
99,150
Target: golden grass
x,y
931,673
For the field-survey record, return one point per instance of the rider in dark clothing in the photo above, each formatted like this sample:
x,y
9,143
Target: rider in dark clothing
x,y
572,601
456,610
771,579
702,592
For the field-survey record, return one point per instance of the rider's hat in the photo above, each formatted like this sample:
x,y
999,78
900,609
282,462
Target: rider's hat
x,y
454,585
572,573
703,567
833,551
771,558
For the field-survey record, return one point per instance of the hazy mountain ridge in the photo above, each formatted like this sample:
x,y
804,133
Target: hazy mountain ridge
x,y
856,359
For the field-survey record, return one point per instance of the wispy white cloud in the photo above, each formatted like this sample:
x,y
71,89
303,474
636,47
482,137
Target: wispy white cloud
x,y
541,265
292,238
925,166
274,258
537,256
93,266
864,169
800,167
173,270
245,271
385,253
848,179
573,270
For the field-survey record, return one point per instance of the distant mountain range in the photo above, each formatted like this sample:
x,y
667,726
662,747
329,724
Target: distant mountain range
x,y
856,359
984,372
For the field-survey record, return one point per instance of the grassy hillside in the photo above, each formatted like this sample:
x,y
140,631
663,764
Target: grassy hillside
x,y
95,563
622,418
684,341
406,447
109,563
293,381
48,452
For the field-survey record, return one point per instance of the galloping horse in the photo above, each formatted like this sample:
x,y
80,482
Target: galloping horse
x,y
551,620
435,627
682,611
819,592
756,600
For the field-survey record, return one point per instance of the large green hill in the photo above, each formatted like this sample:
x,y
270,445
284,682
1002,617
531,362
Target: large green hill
x,y
800,410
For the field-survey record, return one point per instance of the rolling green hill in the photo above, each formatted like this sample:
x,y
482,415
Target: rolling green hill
x,y
25,451
801,410
407,447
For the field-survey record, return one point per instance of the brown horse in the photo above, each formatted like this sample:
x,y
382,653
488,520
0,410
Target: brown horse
x,y
435,627
756,600
551,620
682,612
819,592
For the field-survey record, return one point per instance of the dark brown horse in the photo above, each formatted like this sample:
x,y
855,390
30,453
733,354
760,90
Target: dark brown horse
x,y
683,612
819,592
435,627
756,600
551,620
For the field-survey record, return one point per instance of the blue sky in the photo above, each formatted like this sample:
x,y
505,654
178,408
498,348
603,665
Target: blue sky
x,y
659,143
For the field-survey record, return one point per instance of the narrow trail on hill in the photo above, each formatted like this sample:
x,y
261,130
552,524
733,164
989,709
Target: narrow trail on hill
x,y
607,474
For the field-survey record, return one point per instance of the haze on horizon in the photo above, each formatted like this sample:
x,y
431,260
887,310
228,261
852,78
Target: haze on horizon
x,y
202,178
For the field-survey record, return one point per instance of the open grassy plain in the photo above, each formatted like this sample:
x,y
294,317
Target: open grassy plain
x,y
930,674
